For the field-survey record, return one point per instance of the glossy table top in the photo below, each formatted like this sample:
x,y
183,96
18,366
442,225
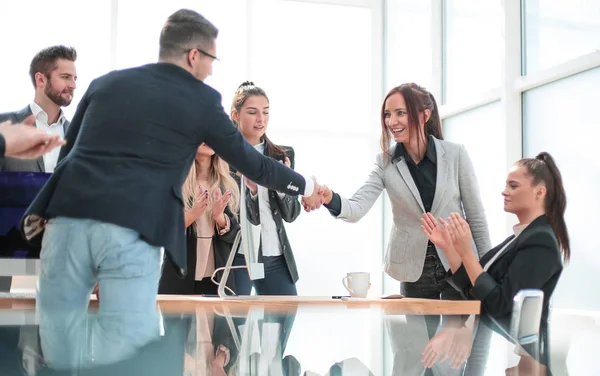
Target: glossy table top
x,y
272,336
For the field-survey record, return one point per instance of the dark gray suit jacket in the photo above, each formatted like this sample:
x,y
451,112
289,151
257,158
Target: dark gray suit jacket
x,y
23,165
285,209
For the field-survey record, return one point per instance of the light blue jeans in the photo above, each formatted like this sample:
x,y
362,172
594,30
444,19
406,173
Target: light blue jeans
x,y
77,253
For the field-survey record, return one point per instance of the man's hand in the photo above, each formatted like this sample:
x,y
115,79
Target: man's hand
x,y
325,196
24,141
315,200
251,185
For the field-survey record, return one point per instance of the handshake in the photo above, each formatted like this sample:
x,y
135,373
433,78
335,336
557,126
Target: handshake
x,y
321,195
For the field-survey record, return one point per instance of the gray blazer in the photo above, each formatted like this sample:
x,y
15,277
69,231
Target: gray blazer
x,y
456,191
23,165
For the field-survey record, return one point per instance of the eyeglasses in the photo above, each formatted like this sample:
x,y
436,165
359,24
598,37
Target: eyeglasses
x,y
203,53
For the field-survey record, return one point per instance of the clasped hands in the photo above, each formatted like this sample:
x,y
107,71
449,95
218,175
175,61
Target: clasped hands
x,y
321,194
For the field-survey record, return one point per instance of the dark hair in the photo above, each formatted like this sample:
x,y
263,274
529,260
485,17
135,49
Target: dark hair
x,y
417,100
183,30
543,169
246,90
45,60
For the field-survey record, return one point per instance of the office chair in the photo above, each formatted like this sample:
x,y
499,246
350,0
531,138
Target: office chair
x,y
526,316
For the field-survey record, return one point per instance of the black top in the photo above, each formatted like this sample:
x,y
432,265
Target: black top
x,y
130,147
424,174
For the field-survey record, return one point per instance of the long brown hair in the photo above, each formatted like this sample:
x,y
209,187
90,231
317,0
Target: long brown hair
x,y
219,177
246,90
417,100
543,169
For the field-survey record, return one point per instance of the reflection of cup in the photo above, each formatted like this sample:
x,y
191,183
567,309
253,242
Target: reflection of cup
x,y
357,284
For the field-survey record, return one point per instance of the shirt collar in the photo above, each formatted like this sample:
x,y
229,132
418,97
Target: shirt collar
x,y
41,115
260,147
430,153
518,229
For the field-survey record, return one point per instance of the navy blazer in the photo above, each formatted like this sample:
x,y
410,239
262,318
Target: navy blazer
x,y
532,261
129,148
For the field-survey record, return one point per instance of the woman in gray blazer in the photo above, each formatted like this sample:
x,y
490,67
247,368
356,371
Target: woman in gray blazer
x,y
421,173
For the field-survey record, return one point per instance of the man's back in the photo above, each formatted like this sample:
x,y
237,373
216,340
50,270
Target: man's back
x,y
134,146
135,137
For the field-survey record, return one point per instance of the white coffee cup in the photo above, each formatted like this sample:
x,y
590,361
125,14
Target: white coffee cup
x,y
357,284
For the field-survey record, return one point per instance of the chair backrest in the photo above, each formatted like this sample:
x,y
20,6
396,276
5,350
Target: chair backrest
x,y
526,316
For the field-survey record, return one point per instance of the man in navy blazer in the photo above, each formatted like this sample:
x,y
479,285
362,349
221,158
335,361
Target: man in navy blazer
x,y
114,203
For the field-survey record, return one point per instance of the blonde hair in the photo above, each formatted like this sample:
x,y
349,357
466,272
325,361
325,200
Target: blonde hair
x,y
219,177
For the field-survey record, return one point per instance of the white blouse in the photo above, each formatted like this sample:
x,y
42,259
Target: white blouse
x,y
517,229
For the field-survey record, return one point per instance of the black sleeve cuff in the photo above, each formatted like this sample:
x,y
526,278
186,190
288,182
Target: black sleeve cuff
x,y
484,284
459,280
2,146
335,206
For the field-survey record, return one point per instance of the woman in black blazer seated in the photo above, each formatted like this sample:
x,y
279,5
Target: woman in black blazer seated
x,y
267,208
210,223
529,259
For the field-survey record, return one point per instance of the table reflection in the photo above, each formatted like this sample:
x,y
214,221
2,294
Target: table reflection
x,y
220,338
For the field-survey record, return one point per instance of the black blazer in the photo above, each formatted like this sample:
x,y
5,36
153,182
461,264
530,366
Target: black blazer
x,y
130,146
532,261
23,165
286,209
171,283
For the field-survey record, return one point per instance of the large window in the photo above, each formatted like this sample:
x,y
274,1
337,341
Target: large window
x,y
558,118
83,25
408,46
319,82
556,31
320,105
476,129
472,48
133,49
